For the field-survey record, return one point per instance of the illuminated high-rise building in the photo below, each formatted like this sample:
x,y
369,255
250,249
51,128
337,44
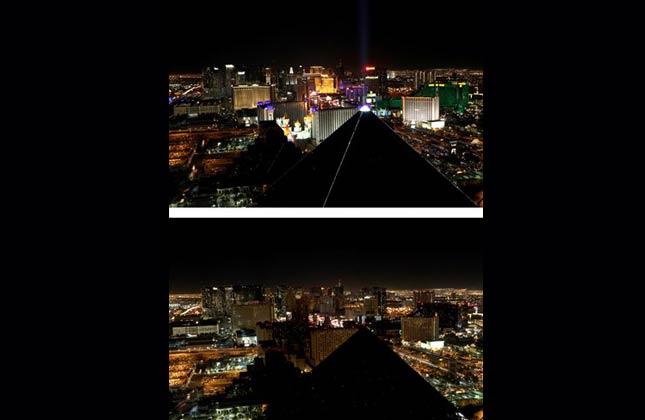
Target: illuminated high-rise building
x,y
370,305
327,84
327,305
301,89
302,309
382,82
417,109
374,299
229,79
291,78
264,331
315,293
376,80
420,328
356,93
320,81
267,76
423,77
318,70
247,97
340,73
213,83
339,297
324,342
247,315
326,121
372,83
229,299
253,74
321,84
290,301
241,78
280,301
248,293
288,85
207,302
213,302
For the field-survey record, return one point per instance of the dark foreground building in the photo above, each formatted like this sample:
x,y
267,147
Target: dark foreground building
x,y
364,379
364,164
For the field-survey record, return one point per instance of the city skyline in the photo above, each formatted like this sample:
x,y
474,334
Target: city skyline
x,y
358,32
309,253
338,104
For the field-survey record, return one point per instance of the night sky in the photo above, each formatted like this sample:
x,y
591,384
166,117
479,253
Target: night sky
x,y
394,253
395,34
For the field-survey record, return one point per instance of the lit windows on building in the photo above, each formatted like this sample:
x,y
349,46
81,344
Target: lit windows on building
x,y
418,109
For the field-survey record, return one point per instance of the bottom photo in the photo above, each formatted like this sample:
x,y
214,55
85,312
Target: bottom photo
x,y
325,318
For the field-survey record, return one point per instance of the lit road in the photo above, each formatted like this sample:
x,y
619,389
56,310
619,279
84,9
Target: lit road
x,y
182,363
420,360
206,348
184,145
220,132
453,384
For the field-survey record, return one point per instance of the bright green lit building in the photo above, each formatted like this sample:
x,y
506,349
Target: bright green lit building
x,y
390,103
451,95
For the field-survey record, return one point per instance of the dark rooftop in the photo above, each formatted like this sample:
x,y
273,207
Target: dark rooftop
x,y
364,164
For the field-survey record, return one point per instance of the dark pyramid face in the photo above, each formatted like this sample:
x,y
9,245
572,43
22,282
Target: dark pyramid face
x,y
378,169
363,378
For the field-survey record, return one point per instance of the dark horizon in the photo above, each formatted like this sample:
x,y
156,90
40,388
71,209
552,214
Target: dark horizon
x,y
445,253
400,36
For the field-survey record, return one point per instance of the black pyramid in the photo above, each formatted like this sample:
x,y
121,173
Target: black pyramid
x,y
364,164
365,379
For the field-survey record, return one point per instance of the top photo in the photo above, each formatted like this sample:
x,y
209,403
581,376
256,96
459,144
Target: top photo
x,y
359,105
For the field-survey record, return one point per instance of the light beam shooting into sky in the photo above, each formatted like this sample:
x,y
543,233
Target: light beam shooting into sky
x,y
363,32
